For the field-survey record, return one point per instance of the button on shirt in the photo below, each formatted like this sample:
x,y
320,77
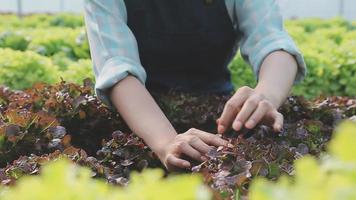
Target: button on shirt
x,y
114,49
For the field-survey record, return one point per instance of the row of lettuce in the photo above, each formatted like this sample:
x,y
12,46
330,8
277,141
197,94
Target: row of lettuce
x,y
47,47
332,177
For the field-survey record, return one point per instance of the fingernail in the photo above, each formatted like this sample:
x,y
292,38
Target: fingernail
x,y
186,164
225,143
237,125
250,123
230,145
278,127
203,158
221,129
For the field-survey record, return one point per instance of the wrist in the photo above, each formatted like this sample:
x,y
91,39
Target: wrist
x,y
273,97
160,145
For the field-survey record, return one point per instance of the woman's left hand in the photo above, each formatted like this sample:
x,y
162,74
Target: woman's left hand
x,y
249,107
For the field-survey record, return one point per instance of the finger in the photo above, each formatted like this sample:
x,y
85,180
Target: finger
x,y
278,121
199,145
209,138
231,108
177,162
190,151
258,114
247,109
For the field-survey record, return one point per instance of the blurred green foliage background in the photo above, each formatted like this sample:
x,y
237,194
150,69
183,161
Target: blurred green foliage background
x,y
47,47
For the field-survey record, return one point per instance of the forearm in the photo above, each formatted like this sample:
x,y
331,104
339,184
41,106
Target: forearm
x,y
276,77
141,113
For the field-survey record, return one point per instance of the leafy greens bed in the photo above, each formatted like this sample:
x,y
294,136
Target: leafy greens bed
x,y
66,120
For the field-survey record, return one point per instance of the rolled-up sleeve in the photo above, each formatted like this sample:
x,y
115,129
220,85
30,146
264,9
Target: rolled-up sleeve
x,y
261,25
113,46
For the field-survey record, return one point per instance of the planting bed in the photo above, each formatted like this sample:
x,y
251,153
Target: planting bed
x,y
50,121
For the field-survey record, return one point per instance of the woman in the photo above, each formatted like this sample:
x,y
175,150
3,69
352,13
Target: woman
x,y
143,45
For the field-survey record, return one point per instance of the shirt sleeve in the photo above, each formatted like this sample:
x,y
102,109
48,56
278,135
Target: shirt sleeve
x,y
113,46
261,25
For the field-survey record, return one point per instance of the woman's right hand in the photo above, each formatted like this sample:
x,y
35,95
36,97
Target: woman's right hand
x,y
144,117
194,143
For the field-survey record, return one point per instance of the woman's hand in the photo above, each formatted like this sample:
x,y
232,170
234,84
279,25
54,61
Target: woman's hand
x,y
146,119
194,143
249,107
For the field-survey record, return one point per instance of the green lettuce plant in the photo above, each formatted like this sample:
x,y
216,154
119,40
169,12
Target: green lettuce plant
x,y
21,70
76,72
14,40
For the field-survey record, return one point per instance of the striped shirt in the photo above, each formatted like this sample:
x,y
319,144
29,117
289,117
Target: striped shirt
x,y
114,49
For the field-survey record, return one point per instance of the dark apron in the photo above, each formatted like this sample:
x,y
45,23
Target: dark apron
x,y
185,45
